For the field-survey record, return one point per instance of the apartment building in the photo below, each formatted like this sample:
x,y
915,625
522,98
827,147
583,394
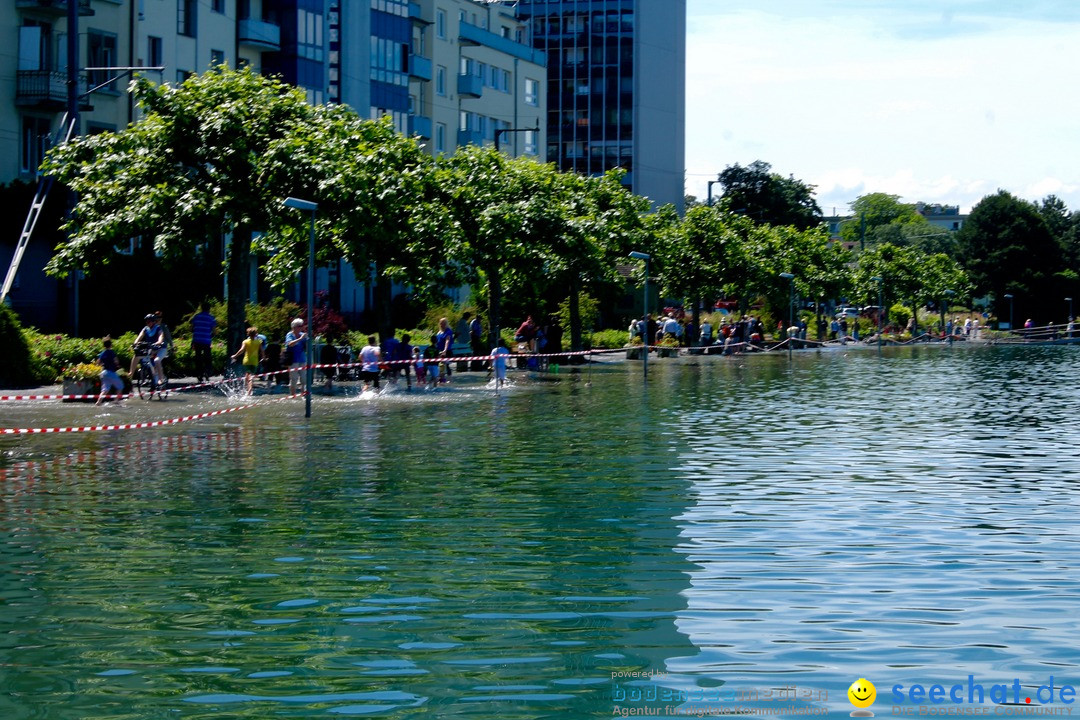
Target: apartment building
x,y
451,71
475,79
616,88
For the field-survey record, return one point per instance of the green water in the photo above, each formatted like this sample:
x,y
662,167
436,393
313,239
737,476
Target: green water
x,y
740,525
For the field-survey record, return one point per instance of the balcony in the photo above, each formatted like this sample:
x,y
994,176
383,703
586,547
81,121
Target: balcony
x,y
469,137
259,33
470,86
471,35
416,14
54,7
45,90
420,125
419,68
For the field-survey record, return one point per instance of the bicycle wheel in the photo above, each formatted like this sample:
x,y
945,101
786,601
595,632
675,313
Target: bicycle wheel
x,y
143,380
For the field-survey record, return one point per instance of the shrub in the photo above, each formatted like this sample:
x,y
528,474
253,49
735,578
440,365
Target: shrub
x,y
609,339
588,309
900,314
16,367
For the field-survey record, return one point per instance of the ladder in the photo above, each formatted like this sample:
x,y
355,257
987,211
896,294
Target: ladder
x,y
45,183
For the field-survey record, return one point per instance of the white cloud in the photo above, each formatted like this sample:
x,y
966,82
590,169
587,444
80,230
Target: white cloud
x,y
862,100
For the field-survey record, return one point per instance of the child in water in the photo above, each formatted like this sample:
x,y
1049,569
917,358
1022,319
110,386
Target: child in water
x,y
421,372
498,363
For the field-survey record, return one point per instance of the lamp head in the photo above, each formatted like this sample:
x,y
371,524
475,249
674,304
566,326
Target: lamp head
x,y
298,204
787,276
639,255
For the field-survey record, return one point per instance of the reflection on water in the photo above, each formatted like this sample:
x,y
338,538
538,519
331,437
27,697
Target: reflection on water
x,y
742,523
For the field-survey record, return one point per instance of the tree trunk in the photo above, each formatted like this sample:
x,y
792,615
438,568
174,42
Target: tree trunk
x,y
575,313
238,280
384,320
494,302
915,318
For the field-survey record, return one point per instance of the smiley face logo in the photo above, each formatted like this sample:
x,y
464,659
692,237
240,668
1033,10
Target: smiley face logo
x,y
862,694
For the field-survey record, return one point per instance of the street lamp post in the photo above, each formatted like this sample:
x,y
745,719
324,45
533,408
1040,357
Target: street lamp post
x,y
1069,300
644,314
880,312
500,131
791,310
709,191
312,207
1012,328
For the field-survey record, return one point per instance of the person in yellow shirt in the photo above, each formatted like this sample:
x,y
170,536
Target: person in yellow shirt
x,y
250,354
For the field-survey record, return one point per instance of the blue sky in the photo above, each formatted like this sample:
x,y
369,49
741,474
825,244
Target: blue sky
x,y
936,101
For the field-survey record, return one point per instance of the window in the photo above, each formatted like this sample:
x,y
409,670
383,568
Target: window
x,y
182,75
101,52
532,92
35,46
440,24
530,142
185,17
440,137
35,141
217,58
217,6
309,35
154,54
504,81
440,80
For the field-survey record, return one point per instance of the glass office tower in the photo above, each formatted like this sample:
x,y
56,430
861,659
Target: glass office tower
x,y
616,88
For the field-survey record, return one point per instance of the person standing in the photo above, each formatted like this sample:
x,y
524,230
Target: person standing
x,y
202,333
110,378
296,348
705,337
444,344
403,355
476,342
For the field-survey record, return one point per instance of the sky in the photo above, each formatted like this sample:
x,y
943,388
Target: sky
x,y
939,101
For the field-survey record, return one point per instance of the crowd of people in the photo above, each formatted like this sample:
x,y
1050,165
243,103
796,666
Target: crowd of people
x,y
431,364
733,336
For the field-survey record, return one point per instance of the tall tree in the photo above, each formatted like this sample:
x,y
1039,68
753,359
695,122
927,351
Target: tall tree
x,y
496,214
596,223
194,166
767,197
703,256
1006,247
373,186
879,218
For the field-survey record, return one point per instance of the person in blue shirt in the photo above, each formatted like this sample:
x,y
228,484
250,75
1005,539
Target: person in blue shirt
x,y
202,332
296,345
444,344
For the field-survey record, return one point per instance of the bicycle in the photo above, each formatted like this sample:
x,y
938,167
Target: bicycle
x,y
144,382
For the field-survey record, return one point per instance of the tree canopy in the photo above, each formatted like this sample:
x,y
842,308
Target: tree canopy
x,y
768,197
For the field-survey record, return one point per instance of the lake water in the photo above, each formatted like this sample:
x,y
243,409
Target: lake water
x,y
756,534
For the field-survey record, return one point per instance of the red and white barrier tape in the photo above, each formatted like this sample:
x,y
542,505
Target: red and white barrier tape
x,y
382,364
92,396
127,426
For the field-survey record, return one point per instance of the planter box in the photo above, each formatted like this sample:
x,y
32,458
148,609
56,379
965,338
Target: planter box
x,y
81,387
667,352
633,353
